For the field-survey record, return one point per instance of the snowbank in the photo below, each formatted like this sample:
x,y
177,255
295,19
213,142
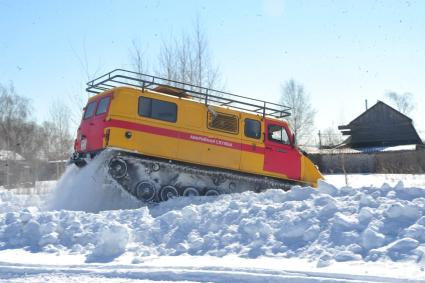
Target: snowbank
x,y
376,180
331,224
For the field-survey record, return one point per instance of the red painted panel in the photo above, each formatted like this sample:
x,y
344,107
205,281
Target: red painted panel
x,y
90,132
281,158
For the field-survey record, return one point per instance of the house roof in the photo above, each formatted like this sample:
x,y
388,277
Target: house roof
x,y
376,106
380,125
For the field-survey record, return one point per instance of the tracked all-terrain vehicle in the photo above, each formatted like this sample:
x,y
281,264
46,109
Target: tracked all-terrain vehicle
x,y
167,139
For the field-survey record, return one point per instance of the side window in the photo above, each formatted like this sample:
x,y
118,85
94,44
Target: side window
x,y
278,134
103,105
145,106
252,128
89,110
157,109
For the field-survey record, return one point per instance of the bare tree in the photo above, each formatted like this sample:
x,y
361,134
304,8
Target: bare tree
x,y
301,120
85,65
77,97
184,59
330,137
138,59
404,102
58,141
14,113
18,134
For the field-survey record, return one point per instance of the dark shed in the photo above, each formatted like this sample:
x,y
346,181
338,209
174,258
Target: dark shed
x,y
380,125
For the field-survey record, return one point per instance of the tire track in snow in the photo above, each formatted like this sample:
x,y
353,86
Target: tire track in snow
x,y
11,273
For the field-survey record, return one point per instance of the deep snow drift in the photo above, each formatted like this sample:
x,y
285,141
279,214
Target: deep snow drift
x,y
324,226
88,189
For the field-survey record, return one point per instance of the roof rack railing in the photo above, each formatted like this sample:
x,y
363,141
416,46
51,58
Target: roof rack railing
x,y
120,77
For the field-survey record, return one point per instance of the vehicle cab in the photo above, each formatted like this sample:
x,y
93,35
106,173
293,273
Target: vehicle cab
x,y
90,133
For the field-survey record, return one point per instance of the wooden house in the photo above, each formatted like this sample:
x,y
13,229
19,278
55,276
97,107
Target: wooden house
x,y
380,125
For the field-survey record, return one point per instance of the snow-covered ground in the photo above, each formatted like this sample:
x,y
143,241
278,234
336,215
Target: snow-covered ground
x,y
372,230
376,180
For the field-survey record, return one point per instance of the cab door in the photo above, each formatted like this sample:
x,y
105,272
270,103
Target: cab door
x,y
97,124
93,125
84,131
280,156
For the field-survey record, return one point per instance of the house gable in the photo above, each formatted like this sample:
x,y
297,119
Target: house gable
x,y
380,125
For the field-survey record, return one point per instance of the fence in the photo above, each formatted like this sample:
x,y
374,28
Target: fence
x,y
18,173
396,162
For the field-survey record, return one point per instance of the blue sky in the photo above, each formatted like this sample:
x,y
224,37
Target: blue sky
x,y
343,52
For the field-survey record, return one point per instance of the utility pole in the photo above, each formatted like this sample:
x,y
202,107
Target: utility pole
x,y
7,173
320,140
7,164
14,153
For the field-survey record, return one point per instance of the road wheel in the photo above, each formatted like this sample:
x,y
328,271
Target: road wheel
x,y
212,192
117,168
168,192
145,191
190,191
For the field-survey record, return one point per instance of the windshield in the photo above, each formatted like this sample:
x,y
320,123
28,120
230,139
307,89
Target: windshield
x,y
89,110
103,106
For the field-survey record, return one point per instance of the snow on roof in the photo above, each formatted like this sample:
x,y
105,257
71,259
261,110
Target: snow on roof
x,y
310,149
10,155
401,147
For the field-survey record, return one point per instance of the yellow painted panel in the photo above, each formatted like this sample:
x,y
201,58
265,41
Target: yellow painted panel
x,y
144,143
252,162
124,103
191,116
221,156
309,172
191,151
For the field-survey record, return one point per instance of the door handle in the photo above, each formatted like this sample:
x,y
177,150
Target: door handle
x,y
91,124
281,150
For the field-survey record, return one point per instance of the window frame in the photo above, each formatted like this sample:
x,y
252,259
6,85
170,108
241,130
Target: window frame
x,y
283,128
151,108
106,108
245,124
87,108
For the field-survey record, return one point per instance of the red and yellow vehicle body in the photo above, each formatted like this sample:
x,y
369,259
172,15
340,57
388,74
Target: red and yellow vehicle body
x,y
214,136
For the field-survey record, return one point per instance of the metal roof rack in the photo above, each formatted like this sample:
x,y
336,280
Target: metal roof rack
x,y
120,77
